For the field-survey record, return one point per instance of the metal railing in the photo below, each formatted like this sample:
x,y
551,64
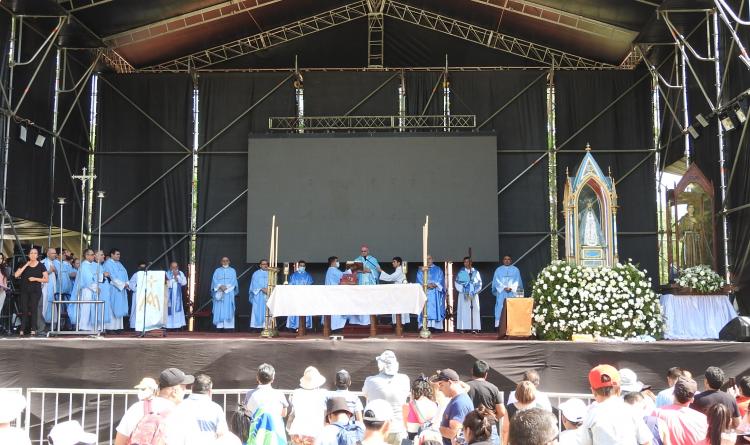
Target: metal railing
x,y
18,421
100,410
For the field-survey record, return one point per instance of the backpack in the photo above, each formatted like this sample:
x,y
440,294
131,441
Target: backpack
x,y
349,434
240,422
150,429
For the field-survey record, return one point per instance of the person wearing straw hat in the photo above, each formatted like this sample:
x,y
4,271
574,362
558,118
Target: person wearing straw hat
x,y
11,406
308,403
70,433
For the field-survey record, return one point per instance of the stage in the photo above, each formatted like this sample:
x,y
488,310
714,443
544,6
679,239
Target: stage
x,y
119,362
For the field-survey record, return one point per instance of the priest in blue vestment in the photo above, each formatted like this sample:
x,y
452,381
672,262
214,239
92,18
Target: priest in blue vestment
x,y
258,295
224,287
66,280
333,278
468,284
505,283
176,281
118,279
435,295
300,277
54,268
85,288
367,276
105,288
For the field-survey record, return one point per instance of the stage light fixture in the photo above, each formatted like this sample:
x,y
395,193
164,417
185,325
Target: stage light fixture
x,y
39,142
693,132
726,122
23,133
702,120
740,113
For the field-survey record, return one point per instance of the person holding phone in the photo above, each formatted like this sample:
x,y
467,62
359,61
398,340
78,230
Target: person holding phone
x,y
32,275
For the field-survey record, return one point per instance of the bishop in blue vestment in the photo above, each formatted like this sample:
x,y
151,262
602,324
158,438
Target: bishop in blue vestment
x,y
368,276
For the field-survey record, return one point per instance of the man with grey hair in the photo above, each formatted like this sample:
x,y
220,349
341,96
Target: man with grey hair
x,y
271,400
533,426
392,387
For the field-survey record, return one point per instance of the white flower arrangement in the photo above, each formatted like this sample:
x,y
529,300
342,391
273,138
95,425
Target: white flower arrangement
x,y
701,278
601,301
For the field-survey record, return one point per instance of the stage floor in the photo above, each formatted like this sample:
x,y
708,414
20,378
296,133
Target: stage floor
x,y
120,361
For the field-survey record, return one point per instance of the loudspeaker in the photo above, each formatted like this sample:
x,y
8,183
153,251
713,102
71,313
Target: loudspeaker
x,y
736,330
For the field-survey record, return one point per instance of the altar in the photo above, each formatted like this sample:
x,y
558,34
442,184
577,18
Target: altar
x,y
695,317
346,300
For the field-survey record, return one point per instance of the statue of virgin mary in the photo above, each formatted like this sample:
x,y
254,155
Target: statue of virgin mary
x,y
589,226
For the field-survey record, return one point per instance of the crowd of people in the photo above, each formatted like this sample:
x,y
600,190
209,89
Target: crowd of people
x,y
101,276
440,409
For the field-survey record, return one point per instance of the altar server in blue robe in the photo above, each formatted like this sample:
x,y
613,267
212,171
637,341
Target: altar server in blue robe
x,y
176,281
85,288
223,290
505,283
119,286
300,277
368,276
54,269
435,295
66,270
468,285
333,278
258,295
138,277
105,289
396,277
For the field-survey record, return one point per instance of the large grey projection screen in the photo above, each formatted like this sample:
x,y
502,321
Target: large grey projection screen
x,y
332,194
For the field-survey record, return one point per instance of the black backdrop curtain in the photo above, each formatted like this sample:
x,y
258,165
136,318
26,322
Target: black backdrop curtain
x,y
222,172
627,125
152,223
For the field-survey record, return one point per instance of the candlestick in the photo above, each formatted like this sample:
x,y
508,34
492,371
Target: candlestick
x,y
276,249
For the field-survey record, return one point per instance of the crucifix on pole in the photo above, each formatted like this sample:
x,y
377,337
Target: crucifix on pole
x,y
84,178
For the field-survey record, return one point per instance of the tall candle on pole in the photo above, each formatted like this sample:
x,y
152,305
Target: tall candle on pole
x,y
269,329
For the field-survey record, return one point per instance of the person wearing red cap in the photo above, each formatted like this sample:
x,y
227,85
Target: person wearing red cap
x,y
611,421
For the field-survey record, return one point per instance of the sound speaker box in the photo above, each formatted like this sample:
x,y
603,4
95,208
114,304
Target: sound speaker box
x,y
736,330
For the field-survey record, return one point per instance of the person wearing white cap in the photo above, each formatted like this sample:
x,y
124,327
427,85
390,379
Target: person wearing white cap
x,y
308,403
392,387
573,411
70,433
629,383
377,417
11,406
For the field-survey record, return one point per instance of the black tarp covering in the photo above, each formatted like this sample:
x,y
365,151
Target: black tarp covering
x,y
165,207
624,126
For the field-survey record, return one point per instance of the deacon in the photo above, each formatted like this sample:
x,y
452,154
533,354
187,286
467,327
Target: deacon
x,y
223,290
137,278
85,288
367,276
118,277
258,295
300,277
54,268
468,285
435,294
67,274
333,278
396,277
176,281
505,283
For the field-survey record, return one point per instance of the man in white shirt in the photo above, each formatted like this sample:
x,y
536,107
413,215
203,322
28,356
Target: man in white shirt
x,y
397,277
611,421
265,396
378,418
392,387
172,384
198,419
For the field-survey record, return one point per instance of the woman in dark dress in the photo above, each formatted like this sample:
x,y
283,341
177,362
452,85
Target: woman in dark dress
x,y
32,275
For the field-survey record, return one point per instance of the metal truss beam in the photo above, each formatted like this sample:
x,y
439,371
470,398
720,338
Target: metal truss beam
x,y
375,33
386,123
488,38
562,18
185,21
116,61
265,39
78,5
